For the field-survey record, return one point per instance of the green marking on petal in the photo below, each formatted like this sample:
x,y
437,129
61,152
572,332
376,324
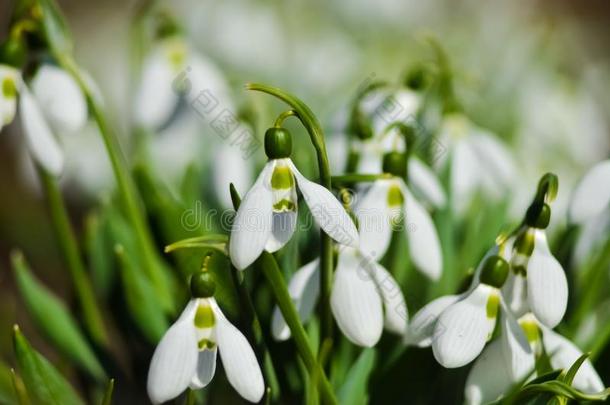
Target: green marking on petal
x,y
530,329
9,89
282,178
493,302
204,317
284,205
177,55
395,197
206,344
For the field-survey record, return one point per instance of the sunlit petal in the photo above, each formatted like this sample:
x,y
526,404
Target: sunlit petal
x,y
592,194
421,328
375,220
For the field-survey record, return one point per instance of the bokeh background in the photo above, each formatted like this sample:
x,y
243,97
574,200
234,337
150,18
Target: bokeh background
x,y
537,73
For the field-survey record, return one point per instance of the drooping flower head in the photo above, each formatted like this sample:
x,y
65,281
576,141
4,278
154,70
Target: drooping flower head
x,y
186,355
267,216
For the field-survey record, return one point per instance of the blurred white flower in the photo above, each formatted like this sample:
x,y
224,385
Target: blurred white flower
x,y
378,214
267,216
186,355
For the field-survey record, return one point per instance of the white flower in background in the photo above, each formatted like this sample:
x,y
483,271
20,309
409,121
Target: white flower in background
x,y
54,106
379,213
171,71
230,165
478,161
590,208
510,360
537,282
186,355
363,290
464,326
267,216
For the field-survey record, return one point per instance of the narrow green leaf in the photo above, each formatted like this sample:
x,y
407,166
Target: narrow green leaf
x,y
55,28
7,390
142,300
107,400
568,378
44,384
54,320
99,253
19,390
354,389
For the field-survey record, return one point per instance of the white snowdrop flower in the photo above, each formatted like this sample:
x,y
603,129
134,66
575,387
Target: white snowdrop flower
x,y
463,328
537,282
55,105
364,298
60,99
478,161
186,355
505,362
379,213
267,216
171,71
592,194
10,82
230,166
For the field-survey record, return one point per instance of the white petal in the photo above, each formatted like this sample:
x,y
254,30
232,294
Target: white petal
x,y
60,99
282,229
592,194
425,183
421,328
41,141
374,220
10,82
424,245
355,301
547,287
156,98
489,378
591,237
238,360
518,355
563,354
499,170
252,224
174,362
514,292
395,308
304,288
206,367
462,329
230,166
327,210
465,175
370,156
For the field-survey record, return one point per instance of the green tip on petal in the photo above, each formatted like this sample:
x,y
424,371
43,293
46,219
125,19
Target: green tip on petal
x,y
495,271
9,89
532,333
493,303
395,197
282,178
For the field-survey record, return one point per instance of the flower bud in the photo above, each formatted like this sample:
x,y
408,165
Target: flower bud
x,y
538,215
278,143
395,163
203,284
495,271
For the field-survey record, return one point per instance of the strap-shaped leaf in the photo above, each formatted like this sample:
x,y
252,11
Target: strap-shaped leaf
x,y
44,384
355,388
54,320
55,28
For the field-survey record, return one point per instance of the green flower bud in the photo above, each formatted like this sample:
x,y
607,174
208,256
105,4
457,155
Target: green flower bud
x,y
13,52
538,215
495,271
203,284
417,78
278,143
395,163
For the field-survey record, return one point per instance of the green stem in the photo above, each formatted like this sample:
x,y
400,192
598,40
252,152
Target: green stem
x,y
314,129
127,189
70,252
266,262
345,179
250,314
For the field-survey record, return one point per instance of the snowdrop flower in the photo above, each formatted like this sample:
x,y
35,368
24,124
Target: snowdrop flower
x,y
590,208
478,160
510,360
186,355
463,328
267,216
379,212
537,282
363,290
55,105
171,71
